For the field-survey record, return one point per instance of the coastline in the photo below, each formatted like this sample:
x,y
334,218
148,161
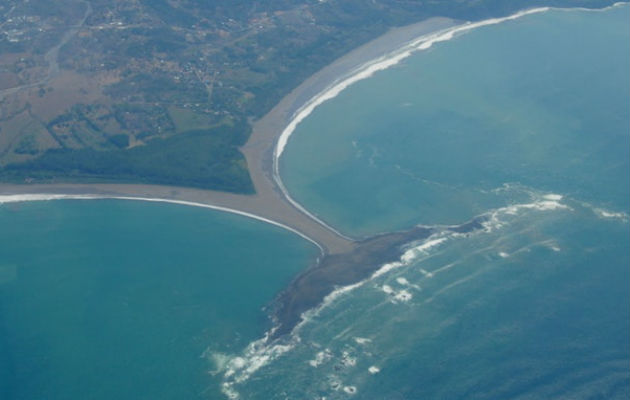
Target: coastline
x,y
270,203
449,29
16,198
275,128
442,29
334,274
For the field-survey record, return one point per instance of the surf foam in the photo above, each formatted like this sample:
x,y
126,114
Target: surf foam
x,y
366,71
374,370
320,358
18,198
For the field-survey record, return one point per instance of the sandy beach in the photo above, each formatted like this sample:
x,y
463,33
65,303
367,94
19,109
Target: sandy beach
x,y
344,260
269,203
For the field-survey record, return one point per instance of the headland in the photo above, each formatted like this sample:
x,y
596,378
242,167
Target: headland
x,y
344,260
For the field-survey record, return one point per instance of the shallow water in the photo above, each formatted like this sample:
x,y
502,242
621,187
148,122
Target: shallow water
x,y
107,299
525,122
541,101
534,307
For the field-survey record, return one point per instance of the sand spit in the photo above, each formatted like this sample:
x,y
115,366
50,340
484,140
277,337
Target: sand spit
x,y
269,203
264,208
344,260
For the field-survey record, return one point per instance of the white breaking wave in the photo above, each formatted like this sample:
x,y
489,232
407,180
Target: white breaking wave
x,y
403,296
615,5
402,281
600,212
362,341
367,70
363,72
320,358
347,360
257,354
18,198
412,254
397,296
386,268
262,351
220,360
547,202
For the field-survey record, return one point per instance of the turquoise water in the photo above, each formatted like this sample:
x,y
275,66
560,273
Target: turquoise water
x,y
127,300
541,101
527,123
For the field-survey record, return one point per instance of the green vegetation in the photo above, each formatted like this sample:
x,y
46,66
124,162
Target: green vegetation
x,y
27,145
146,89
206,159
186,120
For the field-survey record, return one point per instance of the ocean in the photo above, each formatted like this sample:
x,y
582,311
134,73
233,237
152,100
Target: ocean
x,y
107,299
525,123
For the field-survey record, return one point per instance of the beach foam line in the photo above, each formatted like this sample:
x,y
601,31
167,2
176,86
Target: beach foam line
x,y
258,353
19,198
610,7
264,351
368,69
363,72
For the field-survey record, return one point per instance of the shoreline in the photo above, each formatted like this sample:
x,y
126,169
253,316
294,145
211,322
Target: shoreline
x,y
368,69
390,58
17,198
270,203
345,262
278,125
